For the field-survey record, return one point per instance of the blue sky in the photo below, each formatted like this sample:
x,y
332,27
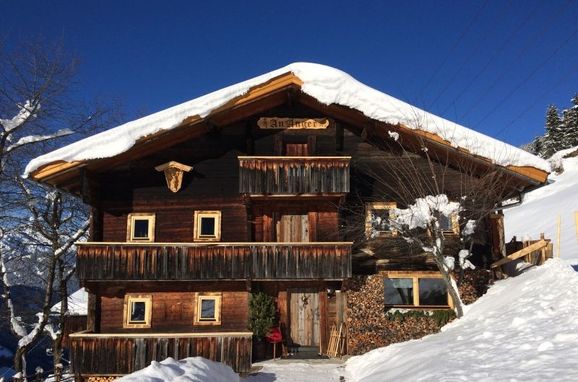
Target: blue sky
x,y
491,65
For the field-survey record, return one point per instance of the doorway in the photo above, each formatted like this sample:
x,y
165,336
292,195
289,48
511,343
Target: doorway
x,y
304,318
293,229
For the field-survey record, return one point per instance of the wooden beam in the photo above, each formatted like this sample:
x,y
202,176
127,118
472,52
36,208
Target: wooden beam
x,y
521,253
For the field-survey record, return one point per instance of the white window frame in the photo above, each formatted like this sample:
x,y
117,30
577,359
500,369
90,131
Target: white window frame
x,y
130,225
129,299
199,298
197,226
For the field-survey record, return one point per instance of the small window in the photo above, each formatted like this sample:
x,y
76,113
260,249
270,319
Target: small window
x,y
207,226
450,223
141,227
208,310
137,311
410,289
377,219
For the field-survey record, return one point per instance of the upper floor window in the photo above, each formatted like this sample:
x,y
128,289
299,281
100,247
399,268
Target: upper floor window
x,y
141,227
407,289
377,219
207,226
208,311
137,311
450,223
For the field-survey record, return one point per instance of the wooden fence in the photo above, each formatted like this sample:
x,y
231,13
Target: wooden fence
x,y
534,252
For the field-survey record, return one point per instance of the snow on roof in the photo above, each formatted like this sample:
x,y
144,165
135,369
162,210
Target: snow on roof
x,y
77,304
326,84
523,329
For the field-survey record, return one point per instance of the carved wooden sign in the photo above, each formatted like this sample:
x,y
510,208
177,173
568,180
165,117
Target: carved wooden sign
x,y
173,174
292,123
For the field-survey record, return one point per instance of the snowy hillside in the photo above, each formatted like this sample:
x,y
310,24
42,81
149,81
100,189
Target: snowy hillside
x,y
523,329
540,210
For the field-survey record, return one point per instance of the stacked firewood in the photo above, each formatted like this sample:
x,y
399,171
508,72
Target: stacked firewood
x,y
473,284
371,326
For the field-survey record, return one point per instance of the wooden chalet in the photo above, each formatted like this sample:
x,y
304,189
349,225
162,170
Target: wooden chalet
x,y
254,195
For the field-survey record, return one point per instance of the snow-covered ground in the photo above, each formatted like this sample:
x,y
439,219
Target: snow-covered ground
x,y
282,371
194,369
524,329
540,210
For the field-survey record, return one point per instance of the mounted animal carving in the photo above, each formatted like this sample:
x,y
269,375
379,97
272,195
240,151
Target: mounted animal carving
x,y
174,174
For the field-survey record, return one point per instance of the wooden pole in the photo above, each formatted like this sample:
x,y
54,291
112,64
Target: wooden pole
x,y
558,236
576,219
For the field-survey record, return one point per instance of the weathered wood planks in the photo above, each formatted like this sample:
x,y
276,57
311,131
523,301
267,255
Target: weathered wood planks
x,y
232,261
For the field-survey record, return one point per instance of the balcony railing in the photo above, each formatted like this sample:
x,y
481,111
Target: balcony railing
x,y
213,261
293,175
119,354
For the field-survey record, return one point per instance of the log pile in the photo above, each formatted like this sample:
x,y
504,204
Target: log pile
x,y
370,326
101,378
473,284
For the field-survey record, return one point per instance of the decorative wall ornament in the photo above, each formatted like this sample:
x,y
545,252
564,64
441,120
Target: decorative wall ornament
x,y
174,174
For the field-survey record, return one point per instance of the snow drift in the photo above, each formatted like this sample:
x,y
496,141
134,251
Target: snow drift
x,y
193,369
540,209
523,329
324,83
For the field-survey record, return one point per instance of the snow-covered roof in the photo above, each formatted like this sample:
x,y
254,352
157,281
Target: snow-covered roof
x,y
77,304
327,85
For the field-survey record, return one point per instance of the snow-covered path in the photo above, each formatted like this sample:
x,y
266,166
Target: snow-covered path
x,y
297,372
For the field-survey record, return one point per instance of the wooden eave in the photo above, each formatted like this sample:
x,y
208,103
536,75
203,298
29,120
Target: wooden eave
x,y
259,99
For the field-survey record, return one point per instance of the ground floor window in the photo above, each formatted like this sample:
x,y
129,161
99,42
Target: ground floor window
x,y
137,311
208,309
411,289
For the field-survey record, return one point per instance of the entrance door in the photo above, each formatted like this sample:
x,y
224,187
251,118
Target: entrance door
x,y
304,318
293,228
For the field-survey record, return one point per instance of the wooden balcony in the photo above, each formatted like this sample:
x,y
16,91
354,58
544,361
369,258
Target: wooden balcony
x,y
293,175
119,354
213,261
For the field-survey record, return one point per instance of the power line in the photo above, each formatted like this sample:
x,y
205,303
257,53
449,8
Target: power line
x,y
506,42
462,66
531,40
455,45
504,99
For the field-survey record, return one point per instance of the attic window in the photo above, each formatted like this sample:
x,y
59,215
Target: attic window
x,y
207,226
141,227
415,289
377,218
450,224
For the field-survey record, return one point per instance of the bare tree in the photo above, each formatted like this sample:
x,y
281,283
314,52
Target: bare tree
x,y
38,225
433,190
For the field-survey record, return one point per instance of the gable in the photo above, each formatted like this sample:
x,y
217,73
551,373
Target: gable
x,y
350,102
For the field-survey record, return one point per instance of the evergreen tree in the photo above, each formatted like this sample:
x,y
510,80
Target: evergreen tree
x,y
553,138
570,124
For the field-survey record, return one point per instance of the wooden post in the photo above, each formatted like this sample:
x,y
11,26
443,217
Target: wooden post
x,y
576,223
542,251
558,236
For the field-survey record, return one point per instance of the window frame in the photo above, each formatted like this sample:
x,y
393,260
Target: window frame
x,y
197,226
372,206
416,276
128,300
455,224
130,225
199,298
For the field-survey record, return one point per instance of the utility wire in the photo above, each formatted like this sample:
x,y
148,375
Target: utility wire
x,y
523,82
531,40
465,62
454,46
506,43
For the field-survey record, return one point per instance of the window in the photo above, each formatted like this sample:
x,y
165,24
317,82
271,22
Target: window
x,y
411,289
377,217
140,227
137,311
450,223
208,311
207,226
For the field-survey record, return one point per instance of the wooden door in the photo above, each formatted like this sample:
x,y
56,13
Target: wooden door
x,y
293,228
296,149
304,318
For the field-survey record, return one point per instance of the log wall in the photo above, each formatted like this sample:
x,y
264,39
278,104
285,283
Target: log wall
x,y
118,355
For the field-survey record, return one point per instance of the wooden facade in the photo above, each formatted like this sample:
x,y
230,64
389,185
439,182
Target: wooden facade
x,y
276,210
